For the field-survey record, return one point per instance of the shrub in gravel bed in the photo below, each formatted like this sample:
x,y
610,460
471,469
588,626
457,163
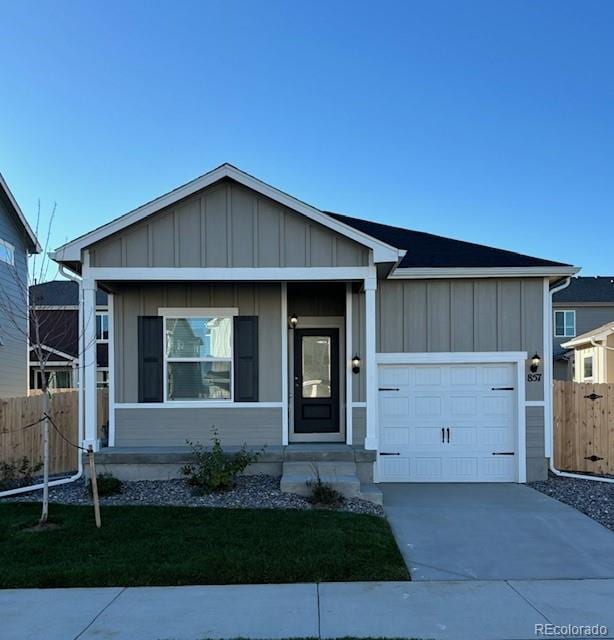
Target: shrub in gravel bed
x,y
107,484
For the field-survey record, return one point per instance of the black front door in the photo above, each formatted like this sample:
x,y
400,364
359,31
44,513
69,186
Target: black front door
x,y
316,381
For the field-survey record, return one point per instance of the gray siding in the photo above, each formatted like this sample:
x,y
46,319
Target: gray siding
x,y
537,464
227,225
587,317
359,426
13,294
262,300
165,427
462,315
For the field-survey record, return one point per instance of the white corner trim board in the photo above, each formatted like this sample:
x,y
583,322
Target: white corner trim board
x,y
71,251
285,418
443,357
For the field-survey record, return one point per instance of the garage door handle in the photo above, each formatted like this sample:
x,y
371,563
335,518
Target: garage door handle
x,y
443,434
389,389
389,453
448,432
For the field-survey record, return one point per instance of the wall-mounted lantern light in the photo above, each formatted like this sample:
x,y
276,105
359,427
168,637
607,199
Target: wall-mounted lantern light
x,y
293,321
355,364
535,361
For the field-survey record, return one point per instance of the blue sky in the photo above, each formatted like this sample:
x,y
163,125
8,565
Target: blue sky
x,y
487,121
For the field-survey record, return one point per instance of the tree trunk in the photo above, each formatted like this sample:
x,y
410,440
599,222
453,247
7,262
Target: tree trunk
x,y
45,513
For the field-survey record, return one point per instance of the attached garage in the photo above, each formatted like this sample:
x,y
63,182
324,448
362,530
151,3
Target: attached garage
x,y
455,421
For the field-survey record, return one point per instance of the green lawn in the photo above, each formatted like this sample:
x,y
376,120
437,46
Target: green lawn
x,y
182,545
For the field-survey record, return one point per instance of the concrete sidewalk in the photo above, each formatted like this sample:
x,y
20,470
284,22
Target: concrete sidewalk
x,y
471,610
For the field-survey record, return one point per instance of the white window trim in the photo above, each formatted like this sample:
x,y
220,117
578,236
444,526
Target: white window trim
x,y
197,312
11,250
586,378
564,335
102,340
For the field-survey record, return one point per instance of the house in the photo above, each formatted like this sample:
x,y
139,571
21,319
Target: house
x,y
55,308
593,355
587,303
408,356
17,242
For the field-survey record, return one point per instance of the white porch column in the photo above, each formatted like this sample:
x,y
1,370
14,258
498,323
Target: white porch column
x,y
349,437
371,441
88,329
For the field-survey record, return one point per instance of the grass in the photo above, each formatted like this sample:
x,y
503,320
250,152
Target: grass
x,y
183,545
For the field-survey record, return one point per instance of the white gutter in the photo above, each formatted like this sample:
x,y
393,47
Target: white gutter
x,y
79,474
550,425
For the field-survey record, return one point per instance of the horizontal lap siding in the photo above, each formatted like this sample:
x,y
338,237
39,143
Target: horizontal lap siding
x,y
165,427
262,300
228,225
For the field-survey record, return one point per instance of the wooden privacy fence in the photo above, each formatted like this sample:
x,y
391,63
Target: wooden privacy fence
x,y
584,427
18,439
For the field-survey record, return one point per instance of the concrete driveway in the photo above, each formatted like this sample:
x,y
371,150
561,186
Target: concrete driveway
x,y
494,532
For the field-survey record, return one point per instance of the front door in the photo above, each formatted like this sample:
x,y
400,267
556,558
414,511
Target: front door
x,y
316,383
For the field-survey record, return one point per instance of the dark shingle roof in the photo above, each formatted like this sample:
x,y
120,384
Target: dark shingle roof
x,y
428,250
587,289
61,293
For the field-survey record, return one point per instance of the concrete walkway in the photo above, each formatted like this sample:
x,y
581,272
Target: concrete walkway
x,y
471,610
494,532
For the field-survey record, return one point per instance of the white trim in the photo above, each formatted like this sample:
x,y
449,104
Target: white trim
x,y
90,361
480,272
589,339
548,365
535,403
372,431
359,405
72,250
10,250
213,404
111,368
198,312
459,357
572,335
66,307
348,364
54,363
285,427
231,273
521,422
56,352
19,212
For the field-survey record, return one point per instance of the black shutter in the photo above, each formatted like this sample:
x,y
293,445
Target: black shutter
x,y
151,365
246,358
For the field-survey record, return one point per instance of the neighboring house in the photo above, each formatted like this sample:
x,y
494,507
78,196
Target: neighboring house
x,y
17,242
55,307
593,355
234,305
587,303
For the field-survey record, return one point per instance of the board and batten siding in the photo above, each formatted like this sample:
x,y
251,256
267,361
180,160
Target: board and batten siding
x,y
227,225
14,293
262,300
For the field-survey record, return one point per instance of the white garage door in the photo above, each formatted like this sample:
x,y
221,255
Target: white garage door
x,y
447,423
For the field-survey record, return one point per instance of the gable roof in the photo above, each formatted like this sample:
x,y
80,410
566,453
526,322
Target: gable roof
x,y
599,333
61,293
34,245
587,289
428,250
71,251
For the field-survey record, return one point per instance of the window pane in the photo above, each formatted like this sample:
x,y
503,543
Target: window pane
x,y
570,329
559,323
316,367
198,380
102,326
61,380
7,252
588,367
198,337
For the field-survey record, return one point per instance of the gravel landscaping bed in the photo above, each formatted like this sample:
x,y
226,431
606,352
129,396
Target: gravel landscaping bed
x,y
250,492
595,499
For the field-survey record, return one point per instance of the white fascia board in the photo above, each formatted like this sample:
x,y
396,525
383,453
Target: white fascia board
x,y
71,251
480,272
576,342
20,215
459,357
56,352
232,273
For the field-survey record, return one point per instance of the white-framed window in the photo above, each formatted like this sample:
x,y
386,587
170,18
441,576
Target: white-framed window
x,y
102,378
587,367
102,327
564,324
198,354
7,252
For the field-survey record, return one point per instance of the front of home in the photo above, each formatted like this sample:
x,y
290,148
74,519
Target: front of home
x,y
236,306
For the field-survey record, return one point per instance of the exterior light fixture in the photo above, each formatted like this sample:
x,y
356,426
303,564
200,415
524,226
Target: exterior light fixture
x,y
535,361
355,364
293,321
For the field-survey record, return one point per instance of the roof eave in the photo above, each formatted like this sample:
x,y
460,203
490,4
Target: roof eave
x,y
34,244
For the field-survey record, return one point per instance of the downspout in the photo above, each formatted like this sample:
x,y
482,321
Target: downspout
x,y
79,474
553,469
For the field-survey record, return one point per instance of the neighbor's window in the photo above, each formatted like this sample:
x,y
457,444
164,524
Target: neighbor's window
x,y
588,367
198,357
7,252
564,324
102,327
102,378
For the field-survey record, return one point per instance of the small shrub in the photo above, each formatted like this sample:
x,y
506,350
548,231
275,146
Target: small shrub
x,y
107,483
323,494
19,473
214,469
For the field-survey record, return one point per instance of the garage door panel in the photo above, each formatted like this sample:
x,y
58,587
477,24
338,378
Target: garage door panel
x,y
428,406
427,469
392,407
494,436
428,377
426,435
463,405
394,376
459,469
497,375
464,376
496,405
497,468
395,469
392,435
